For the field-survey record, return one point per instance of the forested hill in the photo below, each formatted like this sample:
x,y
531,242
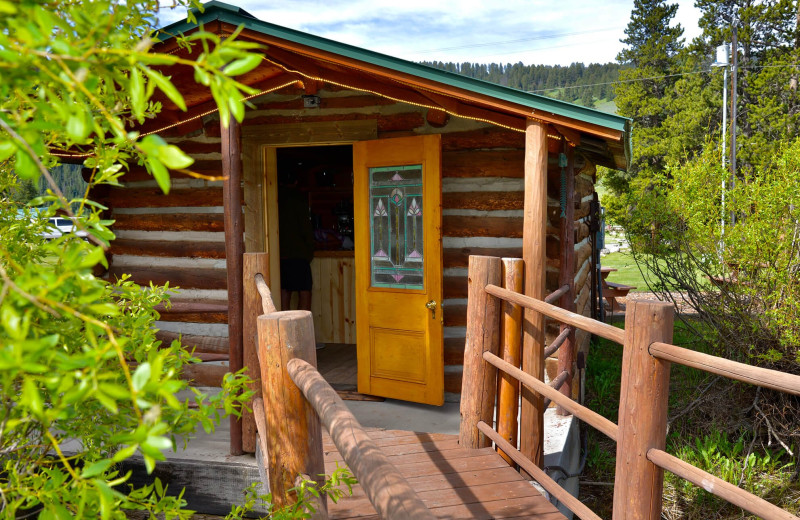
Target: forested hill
x,y
549,80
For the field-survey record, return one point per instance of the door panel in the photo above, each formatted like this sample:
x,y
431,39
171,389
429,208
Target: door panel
x,y
397,204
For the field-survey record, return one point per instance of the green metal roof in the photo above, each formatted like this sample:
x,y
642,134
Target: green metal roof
x,y
233,15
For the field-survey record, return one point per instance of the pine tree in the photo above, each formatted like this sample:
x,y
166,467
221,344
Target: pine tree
x,y
652,52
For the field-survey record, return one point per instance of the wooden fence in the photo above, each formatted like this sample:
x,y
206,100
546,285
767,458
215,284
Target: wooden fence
x,y
492,344
295,401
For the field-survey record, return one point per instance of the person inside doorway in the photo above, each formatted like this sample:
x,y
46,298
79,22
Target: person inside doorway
x,y
296,242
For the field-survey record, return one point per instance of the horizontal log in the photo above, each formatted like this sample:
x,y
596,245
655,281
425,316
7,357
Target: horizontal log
x,y
459,257
155,198
483,138
583,187
452,382
780,381
170,222
557,313
197,147
455,315
208,167
716,486
555,295
454,287
553,347
458,226
454,351
384,122
167,248
185,278
483,200
581,412
484,163
194,312
202,344
204,374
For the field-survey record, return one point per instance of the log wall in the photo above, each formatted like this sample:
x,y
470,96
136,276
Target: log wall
x,y
179,238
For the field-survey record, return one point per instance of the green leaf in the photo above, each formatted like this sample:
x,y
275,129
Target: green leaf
x,y
174,158
243,65
165,85
136,90
160,173
7,149
31,397
25,166
141,376
77,129
7,7
125,453
97,468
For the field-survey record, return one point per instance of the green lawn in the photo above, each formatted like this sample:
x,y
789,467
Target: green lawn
x,y
627,272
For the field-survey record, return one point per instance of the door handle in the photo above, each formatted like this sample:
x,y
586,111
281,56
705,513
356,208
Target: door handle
x,y
432,306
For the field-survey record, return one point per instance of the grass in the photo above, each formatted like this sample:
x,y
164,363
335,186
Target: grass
x,y
704,433
627,272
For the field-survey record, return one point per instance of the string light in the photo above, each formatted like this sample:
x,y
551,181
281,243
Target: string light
x,y
338,84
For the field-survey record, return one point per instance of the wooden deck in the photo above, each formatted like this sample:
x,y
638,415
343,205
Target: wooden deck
x,y
452,481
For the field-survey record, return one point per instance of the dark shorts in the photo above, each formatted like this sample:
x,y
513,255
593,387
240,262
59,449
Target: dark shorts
x,y
295,274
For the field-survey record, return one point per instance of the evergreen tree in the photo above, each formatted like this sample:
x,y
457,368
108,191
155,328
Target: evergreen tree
x,y
652,52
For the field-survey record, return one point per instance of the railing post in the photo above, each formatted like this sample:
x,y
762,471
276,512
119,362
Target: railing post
x,y
642,411
254,263
566,354
483,333
294,433
511,334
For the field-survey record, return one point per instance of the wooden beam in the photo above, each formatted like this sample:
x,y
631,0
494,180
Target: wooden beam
x,y
566,354
254,263
511,348
435,86
234,228
470,111
534,237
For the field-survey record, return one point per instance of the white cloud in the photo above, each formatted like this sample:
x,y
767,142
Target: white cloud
x,y
530,31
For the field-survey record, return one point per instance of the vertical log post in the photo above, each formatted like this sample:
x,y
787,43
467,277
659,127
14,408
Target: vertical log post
x,y
534,235
294,431
511,347
483,333
254,263
232,202
566,354
642,411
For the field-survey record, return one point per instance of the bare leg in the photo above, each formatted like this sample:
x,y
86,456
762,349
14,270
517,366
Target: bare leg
x,y
304,302
286,297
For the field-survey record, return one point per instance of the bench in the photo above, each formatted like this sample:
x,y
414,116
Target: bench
x,y
612,291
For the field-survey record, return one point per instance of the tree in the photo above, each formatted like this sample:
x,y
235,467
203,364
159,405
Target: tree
x,y
78,355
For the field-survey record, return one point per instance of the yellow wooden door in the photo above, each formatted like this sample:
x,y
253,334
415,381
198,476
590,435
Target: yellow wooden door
x,y
398,253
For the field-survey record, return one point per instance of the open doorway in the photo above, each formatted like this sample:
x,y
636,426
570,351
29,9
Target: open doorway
x,y
315,196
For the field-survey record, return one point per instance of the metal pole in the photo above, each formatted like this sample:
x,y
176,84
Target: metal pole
x,y
724,140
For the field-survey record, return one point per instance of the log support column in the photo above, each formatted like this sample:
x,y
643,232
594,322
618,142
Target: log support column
x,y
566,354
534,236
232,202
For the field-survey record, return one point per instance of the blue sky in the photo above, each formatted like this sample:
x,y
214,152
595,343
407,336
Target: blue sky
x,y
533,31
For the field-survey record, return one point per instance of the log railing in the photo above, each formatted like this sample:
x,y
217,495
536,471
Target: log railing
x,y
641,433
295,402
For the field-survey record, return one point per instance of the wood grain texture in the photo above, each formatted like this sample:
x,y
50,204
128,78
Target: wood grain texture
x,y
483,200
155,198
170,222
387,490
234,229
199,344
333,299
204,374
294,440
207,167
253,264
566,354
483,335
194,312
643,402
484,163
459,257
167,248
460,226
534,255
483,138
511,352
185,278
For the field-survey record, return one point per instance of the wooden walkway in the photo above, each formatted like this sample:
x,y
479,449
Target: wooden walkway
x,y
453,482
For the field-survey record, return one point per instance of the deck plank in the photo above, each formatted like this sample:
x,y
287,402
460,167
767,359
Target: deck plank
x,y
454,482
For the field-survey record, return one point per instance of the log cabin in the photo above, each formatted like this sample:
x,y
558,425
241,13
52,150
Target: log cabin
x,y
407,170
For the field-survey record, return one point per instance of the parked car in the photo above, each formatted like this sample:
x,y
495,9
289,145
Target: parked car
x,y
59,226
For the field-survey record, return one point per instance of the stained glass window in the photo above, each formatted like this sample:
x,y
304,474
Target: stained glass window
x,y
395,194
